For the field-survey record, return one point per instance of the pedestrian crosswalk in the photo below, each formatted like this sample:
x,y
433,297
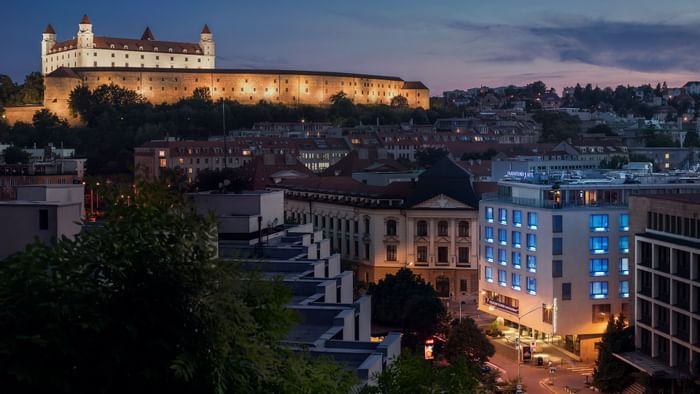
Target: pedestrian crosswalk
x,y
582,369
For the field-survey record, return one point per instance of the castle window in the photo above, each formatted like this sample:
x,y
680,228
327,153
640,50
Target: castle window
x,y
307,81
157,57
172,58
126,55
286,81
307,90
170,50
217,79
286,89
112,55
162,79
185,59
141,56
124,78
126,47
196,79
112,64
141,49
246,81
94,64
111,46
199,60
141,65
155,49
266,89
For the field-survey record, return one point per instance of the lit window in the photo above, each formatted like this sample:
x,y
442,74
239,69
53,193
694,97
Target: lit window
x,y
598,267
502,216
502,278
624,266
488,253
598,223
489,214
531,263
532,220
531,285
624,289
598,290
624,222
515,259
502,259
515,281
488,234
531,242
161,153
422,228
488,274
391,227
515,239
624,243
517,218
598,245
502,236
391,253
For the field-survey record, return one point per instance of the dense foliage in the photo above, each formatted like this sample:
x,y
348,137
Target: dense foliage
x,y
557,126
610,374
30,92
467,341
142,304
425,158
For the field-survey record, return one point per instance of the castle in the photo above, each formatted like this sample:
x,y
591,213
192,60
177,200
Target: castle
x,y
165,72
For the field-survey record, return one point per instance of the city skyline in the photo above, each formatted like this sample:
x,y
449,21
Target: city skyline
x,y
448,45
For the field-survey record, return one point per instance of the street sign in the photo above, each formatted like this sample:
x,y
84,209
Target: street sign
x,y
527,353
519,387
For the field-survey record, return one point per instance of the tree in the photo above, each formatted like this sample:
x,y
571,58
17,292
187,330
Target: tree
x,y
601,129
467,341
46,120
201,93
610,374
427,157
557,126
142,304
399,101
691,139
32,91
342,109
15,155
228,179
405,300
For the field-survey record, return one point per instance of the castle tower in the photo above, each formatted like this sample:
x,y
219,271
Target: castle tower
x,y
206,42
85,35
48,40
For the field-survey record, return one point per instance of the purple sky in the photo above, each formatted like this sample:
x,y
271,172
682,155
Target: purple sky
x,y
446,44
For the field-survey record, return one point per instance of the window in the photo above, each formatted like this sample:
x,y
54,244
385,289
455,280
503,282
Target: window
x,y
463,229
43,219
532,220
502,216
517,218
531,242
601,313
531,285
624,289
598,267
366,251
422,254
515,260
598,223
442,254
531,263
463,253
489,214
488,253
502,236
502,259
557,224
598,290
463,285
488,274
502,278
391,227
422,228
557,268
442,228
624,243
624,222
366,225
556,246
566,291
391,253
515,239
488,234
515,281
598,245
623,266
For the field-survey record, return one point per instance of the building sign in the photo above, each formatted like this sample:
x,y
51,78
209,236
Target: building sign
x,y
428,349
500,305
527,353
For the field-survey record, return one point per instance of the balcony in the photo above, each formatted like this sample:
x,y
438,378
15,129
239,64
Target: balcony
x,y
645,319
683,335
661,326
645,290
663,297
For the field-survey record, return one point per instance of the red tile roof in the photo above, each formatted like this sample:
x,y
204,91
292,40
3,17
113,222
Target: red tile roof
x,y
147,35
205,30
133,44
49,29
85,20
353,163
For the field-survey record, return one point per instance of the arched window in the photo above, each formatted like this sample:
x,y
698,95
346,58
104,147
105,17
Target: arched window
x,y
391,227
126,47
463,229
140,48
111,46
442,228
442,286
170,50
422,228
155,49
184,50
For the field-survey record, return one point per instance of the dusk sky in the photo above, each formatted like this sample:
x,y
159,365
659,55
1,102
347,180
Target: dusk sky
x,y
446,44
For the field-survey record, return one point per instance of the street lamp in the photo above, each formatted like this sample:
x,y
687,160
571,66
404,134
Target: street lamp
x,y
520,345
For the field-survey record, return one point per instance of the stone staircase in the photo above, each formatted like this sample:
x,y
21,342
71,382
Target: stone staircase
x,y
635,388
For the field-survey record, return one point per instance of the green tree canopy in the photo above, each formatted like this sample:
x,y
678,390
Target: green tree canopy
x,y
557,126
201,93
610,374
429,156
467,341
399,101
15,155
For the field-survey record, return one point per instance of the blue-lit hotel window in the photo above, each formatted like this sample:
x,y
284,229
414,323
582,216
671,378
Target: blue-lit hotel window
x,y
515,260
532,220
502,216
488,252
598,290
517,218
531,263
515,239
625,289
531,285
624,242
598,267
502,236
598,223
488,234
623,266
488,274
532,242
598,245
502,257
502,278
515,281
624,222
489,214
